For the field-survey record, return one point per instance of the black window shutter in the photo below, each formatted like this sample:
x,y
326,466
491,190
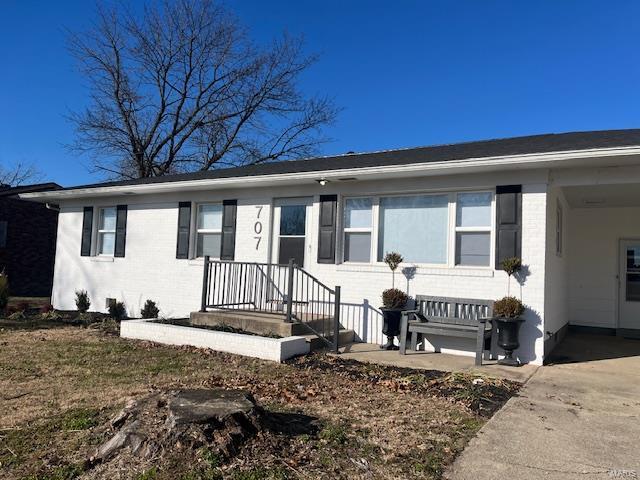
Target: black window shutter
x,y
508,223
87,230
184,229
228,244
121,231
327,229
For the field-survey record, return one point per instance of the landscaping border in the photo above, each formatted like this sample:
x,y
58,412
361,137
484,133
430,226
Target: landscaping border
x,y
274,349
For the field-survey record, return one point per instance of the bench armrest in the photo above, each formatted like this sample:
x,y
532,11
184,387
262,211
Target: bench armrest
x,y
485,319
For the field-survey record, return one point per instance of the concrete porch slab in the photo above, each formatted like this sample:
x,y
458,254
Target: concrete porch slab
x,y
367,352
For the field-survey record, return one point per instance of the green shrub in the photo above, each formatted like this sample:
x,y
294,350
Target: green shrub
x,y
511,265
394,298
117,311
4,291
82,301
508,307
150,310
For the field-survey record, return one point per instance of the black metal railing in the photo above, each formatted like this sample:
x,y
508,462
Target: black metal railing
x,y
272,288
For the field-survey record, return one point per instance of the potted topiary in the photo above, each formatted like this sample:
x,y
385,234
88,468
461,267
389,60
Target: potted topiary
x,y
508,317
393,302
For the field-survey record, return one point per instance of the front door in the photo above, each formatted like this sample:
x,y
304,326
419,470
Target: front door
x,y
629,275
291,225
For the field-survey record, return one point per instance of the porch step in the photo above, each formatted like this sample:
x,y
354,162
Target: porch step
x,y
257,322
345,337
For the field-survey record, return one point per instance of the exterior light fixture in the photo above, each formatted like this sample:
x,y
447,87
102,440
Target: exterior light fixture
x,y
323,181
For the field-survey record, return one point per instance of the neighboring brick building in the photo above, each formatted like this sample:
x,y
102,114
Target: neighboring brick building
x,y
27,241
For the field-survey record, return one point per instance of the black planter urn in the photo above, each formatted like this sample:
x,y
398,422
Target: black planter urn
x,y
391,326
508,332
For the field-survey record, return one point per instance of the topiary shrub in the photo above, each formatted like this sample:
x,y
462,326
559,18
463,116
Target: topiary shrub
x,y
82,301
4,291
393,259
508,307
394,298
117,311
150,310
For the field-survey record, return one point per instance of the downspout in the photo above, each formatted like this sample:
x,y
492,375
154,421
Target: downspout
x,y
52,206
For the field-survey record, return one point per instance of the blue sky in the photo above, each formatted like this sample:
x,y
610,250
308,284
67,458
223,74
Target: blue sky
x,y
406,73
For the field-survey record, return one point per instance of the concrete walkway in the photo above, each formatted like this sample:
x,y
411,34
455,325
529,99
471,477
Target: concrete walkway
x,y
371,353
577,419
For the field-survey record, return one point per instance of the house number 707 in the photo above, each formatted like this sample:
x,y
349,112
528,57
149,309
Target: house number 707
x,y
257,227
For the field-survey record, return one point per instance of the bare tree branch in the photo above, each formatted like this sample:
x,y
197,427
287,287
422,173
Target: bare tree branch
x,y
18,174
182,87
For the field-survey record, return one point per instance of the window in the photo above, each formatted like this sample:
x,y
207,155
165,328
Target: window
x,y
558,229
106,231
434,229
357,230
415,226
473,229
3,234
209,230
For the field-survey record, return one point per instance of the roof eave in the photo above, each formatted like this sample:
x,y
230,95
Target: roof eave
x,y
535,160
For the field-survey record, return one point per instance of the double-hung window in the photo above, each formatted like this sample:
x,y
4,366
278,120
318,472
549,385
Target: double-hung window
x,y
106,230
209,230
473,229
358,226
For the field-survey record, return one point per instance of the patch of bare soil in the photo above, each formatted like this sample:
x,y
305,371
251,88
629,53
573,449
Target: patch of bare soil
x,y
326,417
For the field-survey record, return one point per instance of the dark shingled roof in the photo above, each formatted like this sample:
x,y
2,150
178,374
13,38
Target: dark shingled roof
x,y
554,142
7,191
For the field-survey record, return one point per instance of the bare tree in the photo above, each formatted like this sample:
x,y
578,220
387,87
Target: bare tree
x,y
181,87
18,174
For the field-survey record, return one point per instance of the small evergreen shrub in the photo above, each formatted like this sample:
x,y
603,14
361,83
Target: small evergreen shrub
x,y
508,307
150,310
117,311
394,298
82,301
511,265
4,291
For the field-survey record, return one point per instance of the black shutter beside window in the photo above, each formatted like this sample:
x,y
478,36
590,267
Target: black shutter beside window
x,y
508,223
184,229
327,229
121,231
229,214
87,230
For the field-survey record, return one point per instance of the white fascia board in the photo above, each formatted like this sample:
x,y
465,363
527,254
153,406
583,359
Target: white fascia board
x,y
541,160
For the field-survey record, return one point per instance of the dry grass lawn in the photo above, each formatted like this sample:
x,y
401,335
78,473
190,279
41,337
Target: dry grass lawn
x,y
60,384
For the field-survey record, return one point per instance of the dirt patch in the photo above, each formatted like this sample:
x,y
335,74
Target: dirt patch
x,y
330,418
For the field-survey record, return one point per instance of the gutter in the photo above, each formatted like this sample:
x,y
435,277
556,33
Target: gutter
x,y
433,168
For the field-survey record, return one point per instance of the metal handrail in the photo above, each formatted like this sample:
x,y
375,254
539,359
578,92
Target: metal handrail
x,y
273,288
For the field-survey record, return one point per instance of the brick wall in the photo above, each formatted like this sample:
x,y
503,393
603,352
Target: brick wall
x,y
150,269
30,249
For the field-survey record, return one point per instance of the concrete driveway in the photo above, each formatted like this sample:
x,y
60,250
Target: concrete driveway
x,y
577,419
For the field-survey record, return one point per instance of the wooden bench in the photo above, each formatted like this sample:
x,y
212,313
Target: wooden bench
x,y
452,317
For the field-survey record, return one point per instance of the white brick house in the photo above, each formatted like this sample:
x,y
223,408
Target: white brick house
x,y
577,231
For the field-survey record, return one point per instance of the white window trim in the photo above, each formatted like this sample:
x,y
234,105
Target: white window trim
x,y
195,230
100,231
451,230
370,230
490,229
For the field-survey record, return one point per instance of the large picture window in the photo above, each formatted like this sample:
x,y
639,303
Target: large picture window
x,y
106,230
432,229
415,226
209,230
